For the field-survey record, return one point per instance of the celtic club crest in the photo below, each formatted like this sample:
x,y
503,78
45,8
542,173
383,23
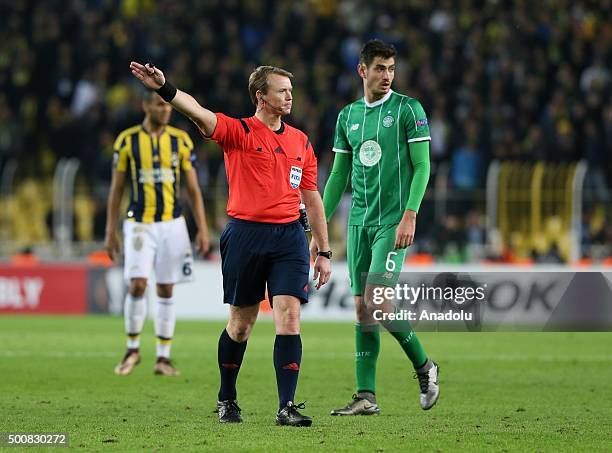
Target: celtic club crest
x,y
370,153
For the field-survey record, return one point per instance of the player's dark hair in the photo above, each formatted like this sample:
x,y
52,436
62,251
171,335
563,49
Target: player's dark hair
x,y
258,80
376,48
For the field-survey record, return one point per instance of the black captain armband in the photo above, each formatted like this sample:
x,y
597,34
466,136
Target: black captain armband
x,y
167,91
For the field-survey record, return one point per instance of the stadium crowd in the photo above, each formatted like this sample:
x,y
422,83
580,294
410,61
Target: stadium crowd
x,y
498,79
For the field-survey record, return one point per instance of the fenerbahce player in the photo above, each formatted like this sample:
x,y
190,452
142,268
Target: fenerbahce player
x,y
269,166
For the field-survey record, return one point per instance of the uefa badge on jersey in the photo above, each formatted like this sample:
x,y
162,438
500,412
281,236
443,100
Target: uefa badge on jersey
x,y
370,153
388,121
421,123
295,177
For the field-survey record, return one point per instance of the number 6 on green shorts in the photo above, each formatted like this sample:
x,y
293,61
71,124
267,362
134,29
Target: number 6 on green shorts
x,y
370,249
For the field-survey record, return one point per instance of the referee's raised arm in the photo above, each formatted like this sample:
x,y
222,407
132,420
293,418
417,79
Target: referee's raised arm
x,y
153,78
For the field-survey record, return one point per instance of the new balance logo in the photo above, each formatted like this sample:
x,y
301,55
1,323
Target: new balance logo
x,y
292,366
355,126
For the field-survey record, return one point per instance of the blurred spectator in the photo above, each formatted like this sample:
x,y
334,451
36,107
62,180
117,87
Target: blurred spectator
x,y
467,162
475,230
451,241
439,130
86,94
595,77
596,157
10,132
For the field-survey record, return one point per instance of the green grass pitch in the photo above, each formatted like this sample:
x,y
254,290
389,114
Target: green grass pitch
x,y
499,391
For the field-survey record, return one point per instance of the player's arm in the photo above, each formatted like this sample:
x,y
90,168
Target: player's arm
x,y
339,175
419,156
154,79
336,183
341,169
316,215
197,206
111,239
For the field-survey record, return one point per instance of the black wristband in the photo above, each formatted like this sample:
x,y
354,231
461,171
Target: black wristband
x,y
167,91
327,254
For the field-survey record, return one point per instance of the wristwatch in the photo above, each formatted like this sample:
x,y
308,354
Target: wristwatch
x,y
327,254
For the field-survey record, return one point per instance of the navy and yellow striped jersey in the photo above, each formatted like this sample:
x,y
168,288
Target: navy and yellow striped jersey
x,y
154,166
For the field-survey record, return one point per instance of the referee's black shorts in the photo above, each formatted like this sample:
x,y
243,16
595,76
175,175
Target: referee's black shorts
x,y
254,254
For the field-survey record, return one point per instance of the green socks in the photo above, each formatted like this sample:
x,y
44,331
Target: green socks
x,y
367,347
409,342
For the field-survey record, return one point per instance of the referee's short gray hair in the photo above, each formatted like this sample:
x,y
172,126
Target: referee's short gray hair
x,y
258,80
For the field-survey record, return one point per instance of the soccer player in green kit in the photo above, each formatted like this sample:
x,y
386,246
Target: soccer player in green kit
x,y
382,144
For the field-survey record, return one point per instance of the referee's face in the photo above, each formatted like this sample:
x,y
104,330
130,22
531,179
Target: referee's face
x,y
379,75
158,110
279,96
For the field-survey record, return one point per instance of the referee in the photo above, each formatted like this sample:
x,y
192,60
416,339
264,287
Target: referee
x,y
269,166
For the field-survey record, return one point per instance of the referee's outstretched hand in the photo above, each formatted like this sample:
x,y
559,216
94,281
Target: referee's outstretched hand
x,y
148,74
322,270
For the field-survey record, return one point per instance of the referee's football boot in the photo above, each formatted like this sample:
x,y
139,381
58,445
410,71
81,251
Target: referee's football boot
x,y
164,367
229,411
428,381
359,406
290,416
128,362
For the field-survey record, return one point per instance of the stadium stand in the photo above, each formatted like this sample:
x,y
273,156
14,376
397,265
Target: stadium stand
x,y
499,82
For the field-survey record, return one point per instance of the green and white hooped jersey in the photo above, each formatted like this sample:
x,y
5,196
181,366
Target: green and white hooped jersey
x,y
377,135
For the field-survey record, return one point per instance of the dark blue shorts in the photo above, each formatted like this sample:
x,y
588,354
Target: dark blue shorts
x,y
255,254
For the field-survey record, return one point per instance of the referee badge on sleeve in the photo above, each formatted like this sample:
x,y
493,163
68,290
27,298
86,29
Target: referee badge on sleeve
x,y
295,177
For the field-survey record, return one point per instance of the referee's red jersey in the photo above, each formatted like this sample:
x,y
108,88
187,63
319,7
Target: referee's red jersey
x,y
265,168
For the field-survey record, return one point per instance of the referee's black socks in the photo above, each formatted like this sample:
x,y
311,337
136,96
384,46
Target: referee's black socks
x,y
287,359
230,354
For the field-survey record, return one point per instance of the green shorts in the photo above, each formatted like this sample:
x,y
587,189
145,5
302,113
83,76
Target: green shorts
x,y
370,250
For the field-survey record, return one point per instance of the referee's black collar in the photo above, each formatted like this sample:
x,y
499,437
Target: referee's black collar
x,y
281,129
257,123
